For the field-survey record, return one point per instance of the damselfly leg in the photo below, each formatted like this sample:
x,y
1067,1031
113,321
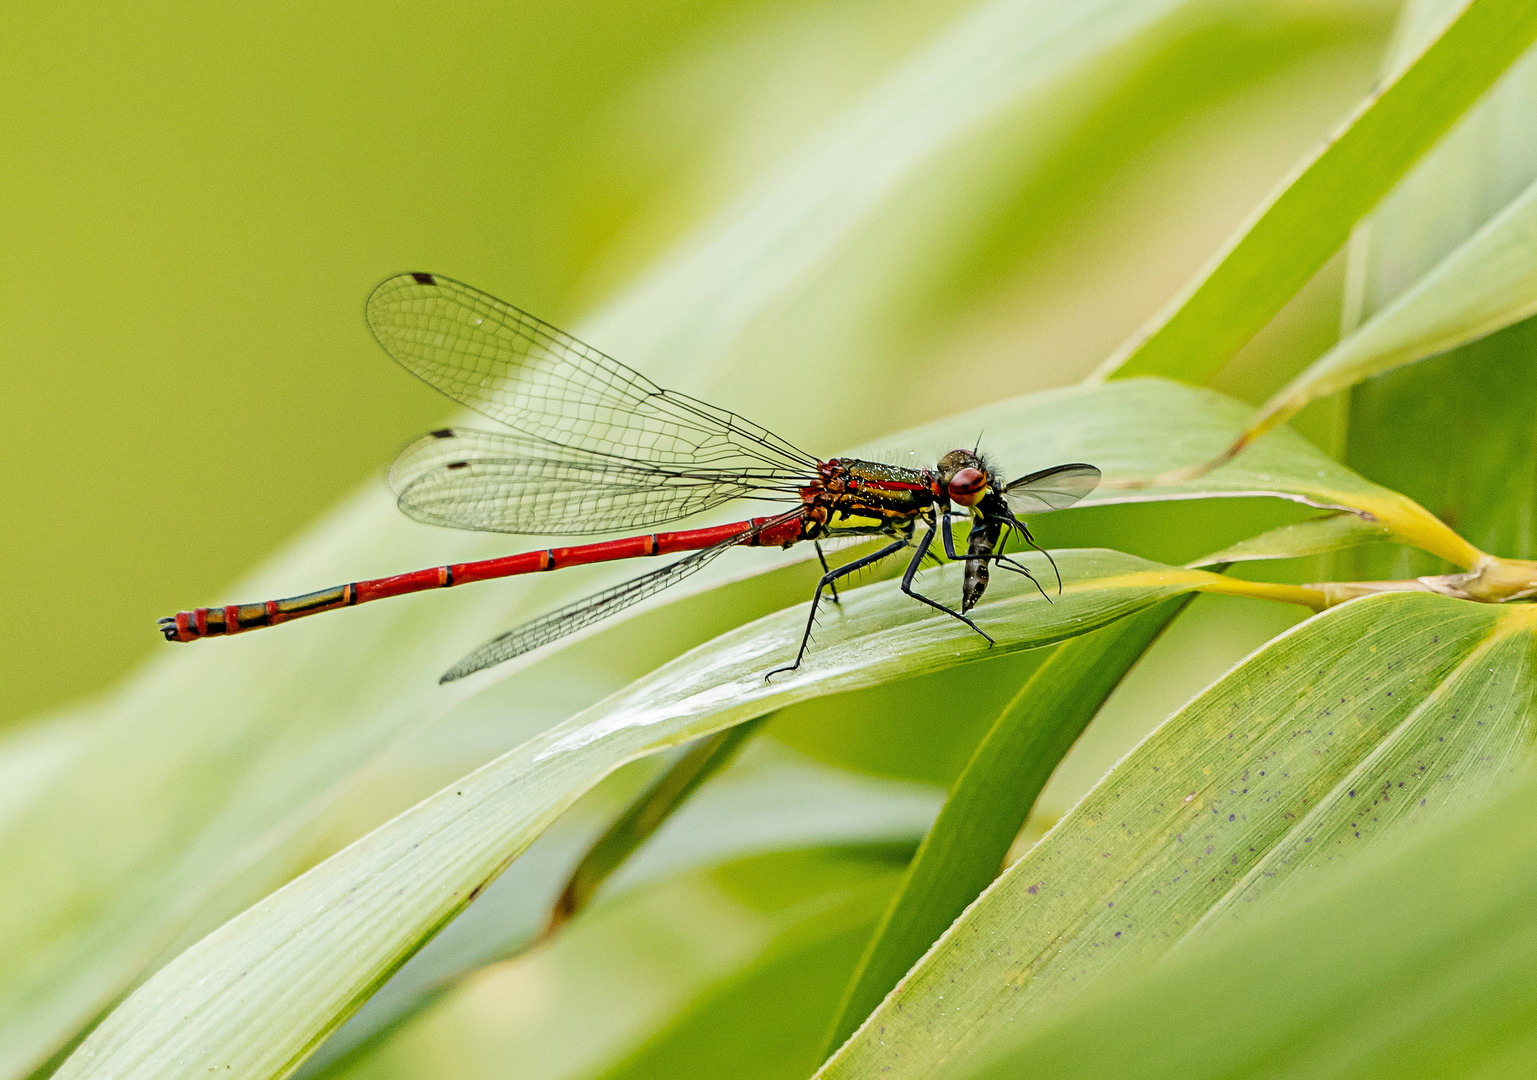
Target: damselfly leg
x,y
826,582
833,588
1002,559
912,572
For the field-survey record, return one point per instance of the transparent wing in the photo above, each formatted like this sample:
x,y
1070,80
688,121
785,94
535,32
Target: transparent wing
x,y
1052,489
512,483
512,367
574,616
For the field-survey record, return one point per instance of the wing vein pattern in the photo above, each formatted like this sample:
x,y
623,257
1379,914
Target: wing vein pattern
x,y
513,483
504,363
1055,488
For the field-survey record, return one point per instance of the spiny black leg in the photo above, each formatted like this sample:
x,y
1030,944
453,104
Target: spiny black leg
x,y
912,571
827,570
949,538
949,542
827,579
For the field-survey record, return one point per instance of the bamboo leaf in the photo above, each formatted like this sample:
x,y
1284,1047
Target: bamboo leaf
x,y
625,984
646,814
1485,285
1483,479
1477,471
990,801
770,800
1139,429
260,992
1472,174
1370,716
1434,982
1310,216
1121,425
764,1023
1300,538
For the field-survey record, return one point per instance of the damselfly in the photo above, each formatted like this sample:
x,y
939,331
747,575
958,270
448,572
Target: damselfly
x,y
592,446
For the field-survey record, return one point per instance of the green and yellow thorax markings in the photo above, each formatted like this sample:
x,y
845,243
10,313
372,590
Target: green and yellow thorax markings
x,y
855,497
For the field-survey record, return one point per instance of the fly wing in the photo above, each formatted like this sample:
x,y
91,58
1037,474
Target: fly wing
x,y
512,367
512,483
1052,489
556,624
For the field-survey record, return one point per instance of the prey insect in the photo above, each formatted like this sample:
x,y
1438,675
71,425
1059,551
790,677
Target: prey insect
x,y
588,445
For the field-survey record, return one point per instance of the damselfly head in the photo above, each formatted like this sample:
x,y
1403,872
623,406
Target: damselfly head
x,y
966,477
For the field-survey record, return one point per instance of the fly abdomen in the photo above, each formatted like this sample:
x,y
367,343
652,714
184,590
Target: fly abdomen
x,y
982,541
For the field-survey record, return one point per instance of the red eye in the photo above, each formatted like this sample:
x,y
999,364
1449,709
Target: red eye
x,y
967,485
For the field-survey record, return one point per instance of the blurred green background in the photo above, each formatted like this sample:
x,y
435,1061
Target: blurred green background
x,y
199,198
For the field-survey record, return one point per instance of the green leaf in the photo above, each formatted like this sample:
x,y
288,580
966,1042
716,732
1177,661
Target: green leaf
x,y
1417,964
646,814
1308,219
766,1022
269,984
1478,471
135,888
1478,468
1138,429
1135,428
770,799
1472,174
889,730
990,801
1374,714
1485,285
1300,538
674,971
1121,425
1107,424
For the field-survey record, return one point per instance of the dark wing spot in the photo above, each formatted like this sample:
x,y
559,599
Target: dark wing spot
x,y
458,464
443,433
423,279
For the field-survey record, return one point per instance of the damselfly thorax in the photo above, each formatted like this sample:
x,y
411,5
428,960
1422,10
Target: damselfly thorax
x,y
588,445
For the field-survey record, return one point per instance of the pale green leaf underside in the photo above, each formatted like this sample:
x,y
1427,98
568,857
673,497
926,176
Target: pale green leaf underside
x,y
1138,428
1123,427
1488,283
990,801
255,996
1471,175
1300,538
1310,216
637,967
1377,711
771,799
1119,426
